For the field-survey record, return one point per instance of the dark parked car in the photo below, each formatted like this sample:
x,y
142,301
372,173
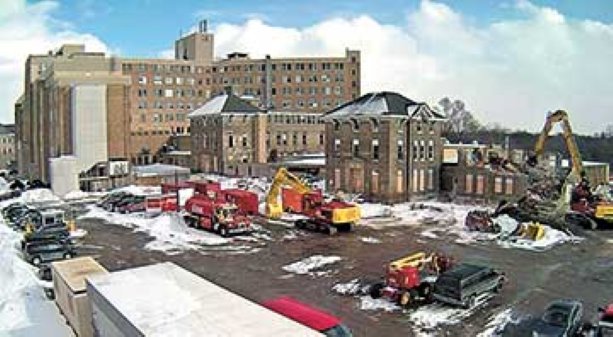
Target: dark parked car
x,y
112,203
462,284
47,233
129,205
48,251
562,318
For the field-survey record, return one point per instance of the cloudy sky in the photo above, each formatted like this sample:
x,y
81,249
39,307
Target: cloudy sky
x,y
510,61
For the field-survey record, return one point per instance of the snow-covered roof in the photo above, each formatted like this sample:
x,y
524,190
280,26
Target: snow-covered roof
x,y
179,153
224,103
586,163
159,169
384,103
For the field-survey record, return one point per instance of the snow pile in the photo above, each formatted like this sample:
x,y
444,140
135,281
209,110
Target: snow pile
x,y
39,195
369,303
552,238
140,190
24,310
4,186
432,317
369,211
497,323
369,239
350,288
169,231
506,224
311,265
77,195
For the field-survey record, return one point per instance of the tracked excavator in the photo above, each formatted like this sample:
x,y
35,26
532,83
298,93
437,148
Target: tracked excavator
x,y
321,215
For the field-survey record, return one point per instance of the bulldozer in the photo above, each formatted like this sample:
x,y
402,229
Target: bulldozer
x,y
321,215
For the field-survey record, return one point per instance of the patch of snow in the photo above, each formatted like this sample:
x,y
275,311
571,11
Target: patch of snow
x,y
507,224
24,309
369,239
369,303
429,318
352,287
4,185
497,322
311,265
78,233
551,238
430,234
39,195
370,210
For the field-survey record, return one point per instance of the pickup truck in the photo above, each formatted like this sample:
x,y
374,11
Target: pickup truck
x,y
461,285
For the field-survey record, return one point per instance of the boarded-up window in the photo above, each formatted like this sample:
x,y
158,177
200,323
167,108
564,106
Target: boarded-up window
x,y
430,179
399,182
422,180
356,180
469,184
374,182
337,179
498,185
415,181
480,184
509,183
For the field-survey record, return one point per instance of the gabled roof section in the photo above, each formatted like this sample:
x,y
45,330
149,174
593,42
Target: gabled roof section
x,y
224,103
383,103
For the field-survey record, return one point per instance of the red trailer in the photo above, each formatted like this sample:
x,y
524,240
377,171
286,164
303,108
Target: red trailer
x,y
208,188
168,188
246,201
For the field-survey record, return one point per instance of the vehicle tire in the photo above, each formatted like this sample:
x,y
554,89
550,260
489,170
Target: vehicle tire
x,y
67,256
300,224
345,228
425,290
36,261
471,302
332,230
223,231
375,290
590,224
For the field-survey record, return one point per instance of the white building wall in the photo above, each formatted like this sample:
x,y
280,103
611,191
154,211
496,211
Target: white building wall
x,y
89,134
63,175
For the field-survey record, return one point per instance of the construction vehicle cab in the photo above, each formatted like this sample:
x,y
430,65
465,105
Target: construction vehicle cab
x,y
322,215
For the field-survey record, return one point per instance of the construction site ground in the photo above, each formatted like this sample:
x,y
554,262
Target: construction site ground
x,y
582,271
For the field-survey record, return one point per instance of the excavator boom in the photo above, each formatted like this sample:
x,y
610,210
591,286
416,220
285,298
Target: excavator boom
x,y
561,116
274,208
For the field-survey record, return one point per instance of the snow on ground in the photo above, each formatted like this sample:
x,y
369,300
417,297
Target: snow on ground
x,y
369,210
312,265
432,317
78,233
24,310
170,233
350,288
552,238
369,239
369,303
497,322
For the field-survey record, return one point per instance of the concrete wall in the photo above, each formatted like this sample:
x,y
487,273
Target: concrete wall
x,y
89,125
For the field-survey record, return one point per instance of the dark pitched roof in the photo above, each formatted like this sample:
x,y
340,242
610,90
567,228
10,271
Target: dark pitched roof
x,y
224,104
383,103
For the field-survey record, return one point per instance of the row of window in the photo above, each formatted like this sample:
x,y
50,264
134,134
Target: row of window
x,y
272,118
285,91
168,105
159,117
177,130
6,151
189,69
374,123
476,185
420,152
422,181
168,93
7,140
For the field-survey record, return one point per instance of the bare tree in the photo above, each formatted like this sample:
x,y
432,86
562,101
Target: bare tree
x,y
459,120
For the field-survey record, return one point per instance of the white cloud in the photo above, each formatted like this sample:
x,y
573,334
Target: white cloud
x,y
509,72
30,29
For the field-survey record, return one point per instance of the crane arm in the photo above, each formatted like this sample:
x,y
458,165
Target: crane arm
x,y
560,116
282,177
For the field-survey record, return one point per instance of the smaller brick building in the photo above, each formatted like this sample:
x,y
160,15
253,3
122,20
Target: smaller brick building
x,y
7,147
384,146
231,136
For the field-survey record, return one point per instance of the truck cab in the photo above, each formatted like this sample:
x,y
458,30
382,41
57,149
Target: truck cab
x,y
304,314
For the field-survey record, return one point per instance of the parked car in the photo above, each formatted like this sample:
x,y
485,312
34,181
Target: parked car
x,y
130,205
112,203
48,251
306,315
12,207
462,284
109,197
562,318
55,232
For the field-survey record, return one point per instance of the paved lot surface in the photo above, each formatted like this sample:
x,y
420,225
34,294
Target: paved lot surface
x,y
583,271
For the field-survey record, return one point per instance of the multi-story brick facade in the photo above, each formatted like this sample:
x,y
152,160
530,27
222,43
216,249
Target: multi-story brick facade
x,y
7,147
149,99
385,147
231,136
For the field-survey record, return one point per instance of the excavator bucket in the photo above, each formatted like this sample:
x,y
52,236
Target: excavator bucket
x,y
533,231
274,210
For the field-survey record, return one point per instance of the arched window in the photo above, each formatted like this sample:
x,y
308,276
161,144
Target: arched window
x,y
375,124
337,125
355,125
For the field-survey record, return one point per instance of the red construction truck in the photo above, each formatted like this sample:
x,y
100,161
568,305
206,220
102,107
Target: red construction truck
x,y
246,201
217,216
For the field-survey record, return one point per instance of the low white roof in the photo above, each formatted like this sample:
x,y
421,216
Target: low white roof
x,y
159,169
166,300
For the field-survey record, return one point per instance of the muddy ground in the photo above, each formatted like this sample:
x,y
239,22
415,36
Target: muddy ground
x,y
583,271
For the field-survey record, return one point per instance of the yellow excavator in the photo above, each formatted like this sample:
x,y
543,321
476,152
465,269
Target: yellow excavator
x,y
585,208
328,216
